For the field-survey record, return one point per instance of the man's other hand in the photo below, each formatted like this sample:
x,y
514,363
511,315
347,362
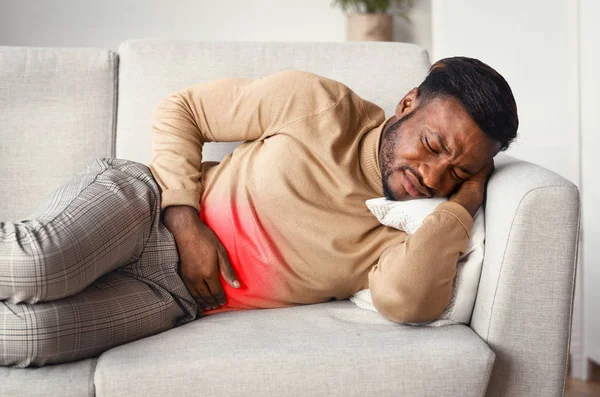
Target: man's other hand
x,y
472,191
201,255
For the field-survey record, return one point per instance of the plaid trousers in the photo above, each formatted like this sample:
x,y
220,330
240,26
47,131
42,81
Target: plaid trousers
x,y
93,268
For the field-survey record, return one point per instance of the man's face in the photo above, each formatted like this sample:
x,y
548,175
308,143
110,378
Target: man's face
x,y
429,151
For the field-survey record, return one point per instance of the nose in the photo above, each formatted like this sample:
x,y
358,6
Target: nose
x,y
433,173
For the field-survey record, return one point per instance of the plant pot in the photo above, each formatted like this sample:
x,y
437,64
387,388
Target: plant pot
x,y
369,27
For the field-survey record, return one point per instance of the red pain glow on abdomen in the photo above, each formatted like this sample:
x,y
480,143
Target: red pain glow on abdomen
x,y
252,254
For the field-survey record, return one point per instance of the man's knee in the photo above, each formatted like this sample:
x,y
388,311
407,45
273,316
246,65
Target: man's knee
x,y
33,272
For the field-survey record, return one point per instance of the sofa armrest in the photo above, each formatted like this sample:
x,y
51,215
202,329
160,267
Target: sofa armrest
x,y
524,302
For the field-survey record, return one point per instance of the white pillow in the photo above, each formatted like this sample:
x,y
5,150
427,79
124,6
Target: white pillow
x,y
408,216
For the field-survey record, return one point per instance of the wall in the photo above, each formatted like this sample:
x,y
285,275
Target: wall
x,y
532,44
107,23
590,127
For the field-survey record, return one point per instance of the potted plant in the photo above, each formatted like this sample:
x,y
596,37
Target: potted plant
x,y
370,20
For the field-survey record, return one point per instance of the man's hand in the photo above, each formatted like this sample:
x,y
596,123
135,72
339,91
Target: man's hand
x,y
472,191
201,256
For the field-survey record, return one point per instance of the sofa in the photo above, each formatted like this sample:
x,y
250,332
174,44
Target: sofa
x,y
62,107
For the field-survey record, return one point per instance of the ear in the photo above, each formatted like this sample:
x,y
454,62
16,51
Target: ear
x,y
409,103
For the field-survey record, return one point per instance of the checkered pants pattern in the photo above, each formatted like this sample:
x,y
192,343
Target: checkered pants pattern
x,y
93,268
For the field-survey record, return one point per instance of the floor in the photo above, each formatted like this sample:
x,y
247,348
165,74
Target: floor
x,y
579,388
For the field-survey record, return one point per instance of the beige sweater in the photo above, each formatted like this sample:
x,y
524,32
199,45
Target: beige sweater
x,y
289,203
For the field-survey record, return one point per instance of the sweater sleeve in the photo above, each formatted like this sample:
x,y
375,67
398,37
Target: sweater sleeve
x,y
227,110
412,282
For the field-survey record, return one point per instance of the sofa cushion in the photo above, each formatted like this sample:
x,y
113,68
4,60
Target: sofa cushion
x,y
328,349
151,69
58,110
64,380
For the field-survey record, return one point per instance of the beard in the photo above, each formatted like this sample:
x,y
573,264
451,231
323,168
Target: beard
x,y
389,142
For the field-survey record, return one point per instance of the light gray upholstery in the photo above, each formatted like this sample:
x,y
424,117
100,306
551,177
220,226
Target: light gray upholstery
x,y
330,349
151,69
57,111
523,310
74,379
524,301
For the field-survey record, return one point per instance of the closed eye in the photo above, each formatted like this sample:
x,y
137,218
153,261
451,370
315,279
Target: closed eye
x,y
426,143
458,178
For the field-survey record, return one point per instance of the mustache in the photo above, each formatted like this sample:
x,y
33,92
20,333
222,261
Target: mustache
x,y
405,168
415,173
408,169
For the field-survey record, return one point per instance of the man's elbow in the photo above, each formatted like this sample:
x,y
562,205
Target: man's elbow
x,y
402,309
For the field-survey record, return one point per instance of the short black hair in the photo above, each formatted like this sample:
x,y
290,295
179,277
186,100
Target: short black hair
x,y
483,93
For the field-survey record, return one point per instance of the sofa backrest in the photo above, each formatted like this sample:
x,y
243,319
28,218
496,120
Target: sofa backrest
x,y
151,69
57,112
58,106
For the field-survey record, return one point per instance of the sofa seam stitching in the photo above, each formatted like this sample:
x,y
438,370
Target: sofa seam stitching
x,y
489,368
573,282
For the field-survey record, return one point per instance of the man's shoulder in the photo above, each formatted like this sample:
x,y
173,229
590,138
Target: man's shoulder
x,y
307,77
309,83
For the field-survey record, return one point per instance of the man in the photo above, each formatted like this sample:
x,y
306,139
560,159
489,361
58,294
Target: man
x,y
281,221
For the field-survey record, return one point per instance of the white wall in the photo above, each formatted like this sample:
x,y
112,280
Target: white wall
x,y
418,29
590,144
107,23
532,44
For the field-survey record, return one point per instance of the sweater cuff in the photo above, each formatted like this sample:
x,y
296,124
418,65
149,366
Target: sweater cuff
x,y
459,212
180,197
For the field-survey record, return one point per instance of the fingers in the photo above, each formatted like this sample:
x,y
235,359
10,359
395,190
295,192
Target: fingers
x,y
190,288
201,303
216,290
224,264
202,263
484,173
209,301
226,268
214,294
